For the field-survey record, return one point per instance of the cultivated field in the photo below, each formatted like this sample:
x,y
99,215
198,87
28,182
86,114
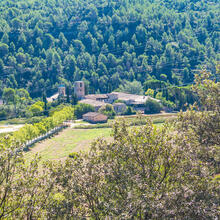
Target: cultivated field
x,y
79,138
67,141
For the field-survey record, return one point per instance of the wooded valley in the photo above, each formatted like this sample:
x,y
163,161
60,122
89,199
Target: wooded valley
x,y
161,44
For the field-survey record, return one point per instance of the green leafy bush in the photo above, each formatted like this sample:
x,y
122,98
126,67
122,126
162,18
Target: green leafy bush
x,y
129,111
74,155
152,107
81,109
108,110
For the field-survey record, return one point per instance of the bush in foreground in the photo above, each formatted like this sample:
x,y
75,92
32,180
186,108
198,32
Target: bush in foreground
x,y
144,173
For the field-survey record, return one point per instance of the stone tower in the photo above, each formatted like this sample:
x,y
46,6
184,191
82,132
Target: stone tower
x,y
79,89
62,90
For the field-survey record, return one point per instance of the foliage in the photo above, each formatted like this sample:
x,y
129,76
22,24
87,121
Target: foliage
x,y
8,95
37,108
152,106
106,44
134,87
108,110
81,109
29,132
119,101
150,92
23,189
15,102
169,172
73,155
129,111
205,123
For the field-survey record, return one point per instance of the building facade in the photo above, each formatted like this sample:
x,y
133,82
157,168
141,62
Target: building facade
x,y
94,117
62,90
119,107
79,89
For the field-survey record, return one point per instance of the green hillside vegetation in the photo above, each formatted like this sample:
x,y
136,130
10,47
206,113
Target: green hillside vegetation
x,y
106,44
171,172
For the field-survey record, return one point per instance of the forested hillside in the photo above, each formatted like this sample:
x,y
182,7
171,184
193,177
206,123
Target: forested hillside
x,y
158,43
142,172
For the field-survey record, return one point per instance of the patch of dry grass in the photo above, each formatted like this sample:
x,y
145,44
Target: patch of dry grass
x,y
67,141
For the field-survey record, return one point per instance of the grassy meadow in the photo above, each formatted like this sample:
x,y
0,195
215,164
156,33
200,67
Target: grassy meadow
x,y
80,138
67,141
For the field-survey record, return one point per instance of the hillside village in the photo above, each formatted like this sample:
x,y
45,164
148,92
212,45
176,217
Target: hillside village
x,y
119,100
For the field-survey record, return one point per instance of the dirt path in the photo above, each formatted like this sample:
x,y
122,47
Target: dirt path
x,y
9,128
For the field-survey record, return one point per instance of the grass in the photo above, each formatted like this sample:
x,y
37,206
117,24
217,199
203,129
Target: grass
x,y
74,140
134,120
16,121
68,141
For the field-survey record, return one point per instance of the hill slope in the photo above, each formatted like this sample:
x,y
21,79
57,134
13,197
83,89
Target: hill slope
x,y
44,43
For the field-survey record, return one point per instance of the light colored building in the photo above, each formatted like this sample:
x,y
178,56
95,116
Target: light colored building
x,y
112,97
79,89
1,102
119,107
96,104
53,97
97,97
132,99
94,117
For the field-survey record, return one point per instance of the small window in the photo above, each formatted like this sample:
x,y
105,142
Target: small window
x,y
80,85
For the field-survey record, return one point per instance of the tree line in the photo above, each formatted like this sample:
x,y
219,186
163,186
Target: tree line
x,y
30,131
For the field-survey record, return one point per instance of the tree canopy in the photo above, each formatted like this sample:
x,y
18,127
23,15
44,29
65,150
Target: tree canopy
x,y
46,43
142,173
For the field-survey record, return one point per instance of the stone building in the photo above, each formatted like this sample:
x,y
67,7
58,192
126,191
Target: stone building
x,y
79,89
62,90
97,97
119,107
94,117
96,104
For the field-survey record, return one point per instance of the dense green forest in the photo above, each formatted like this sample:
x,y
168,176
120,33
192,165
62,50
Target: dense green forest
x,y
107,43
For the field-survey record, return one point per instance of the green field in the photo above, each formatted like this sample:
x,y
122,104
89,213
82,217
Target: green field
x,y
68,141
79,139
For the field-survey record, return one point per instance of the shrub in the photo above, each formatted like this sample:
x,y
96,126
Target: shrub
x,y
81,109
129,111
3,114
74,155
152,107
108,110
37,108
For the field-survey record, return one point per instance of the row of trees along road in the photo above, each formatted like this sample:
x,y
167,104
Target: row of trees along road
x,y
29,131
144,173
45,43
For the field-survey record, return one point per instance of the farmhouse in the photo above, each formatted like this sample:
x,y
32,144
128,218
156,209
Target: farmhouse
x,y
132,99
119,107
94,117
96,104
98,97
